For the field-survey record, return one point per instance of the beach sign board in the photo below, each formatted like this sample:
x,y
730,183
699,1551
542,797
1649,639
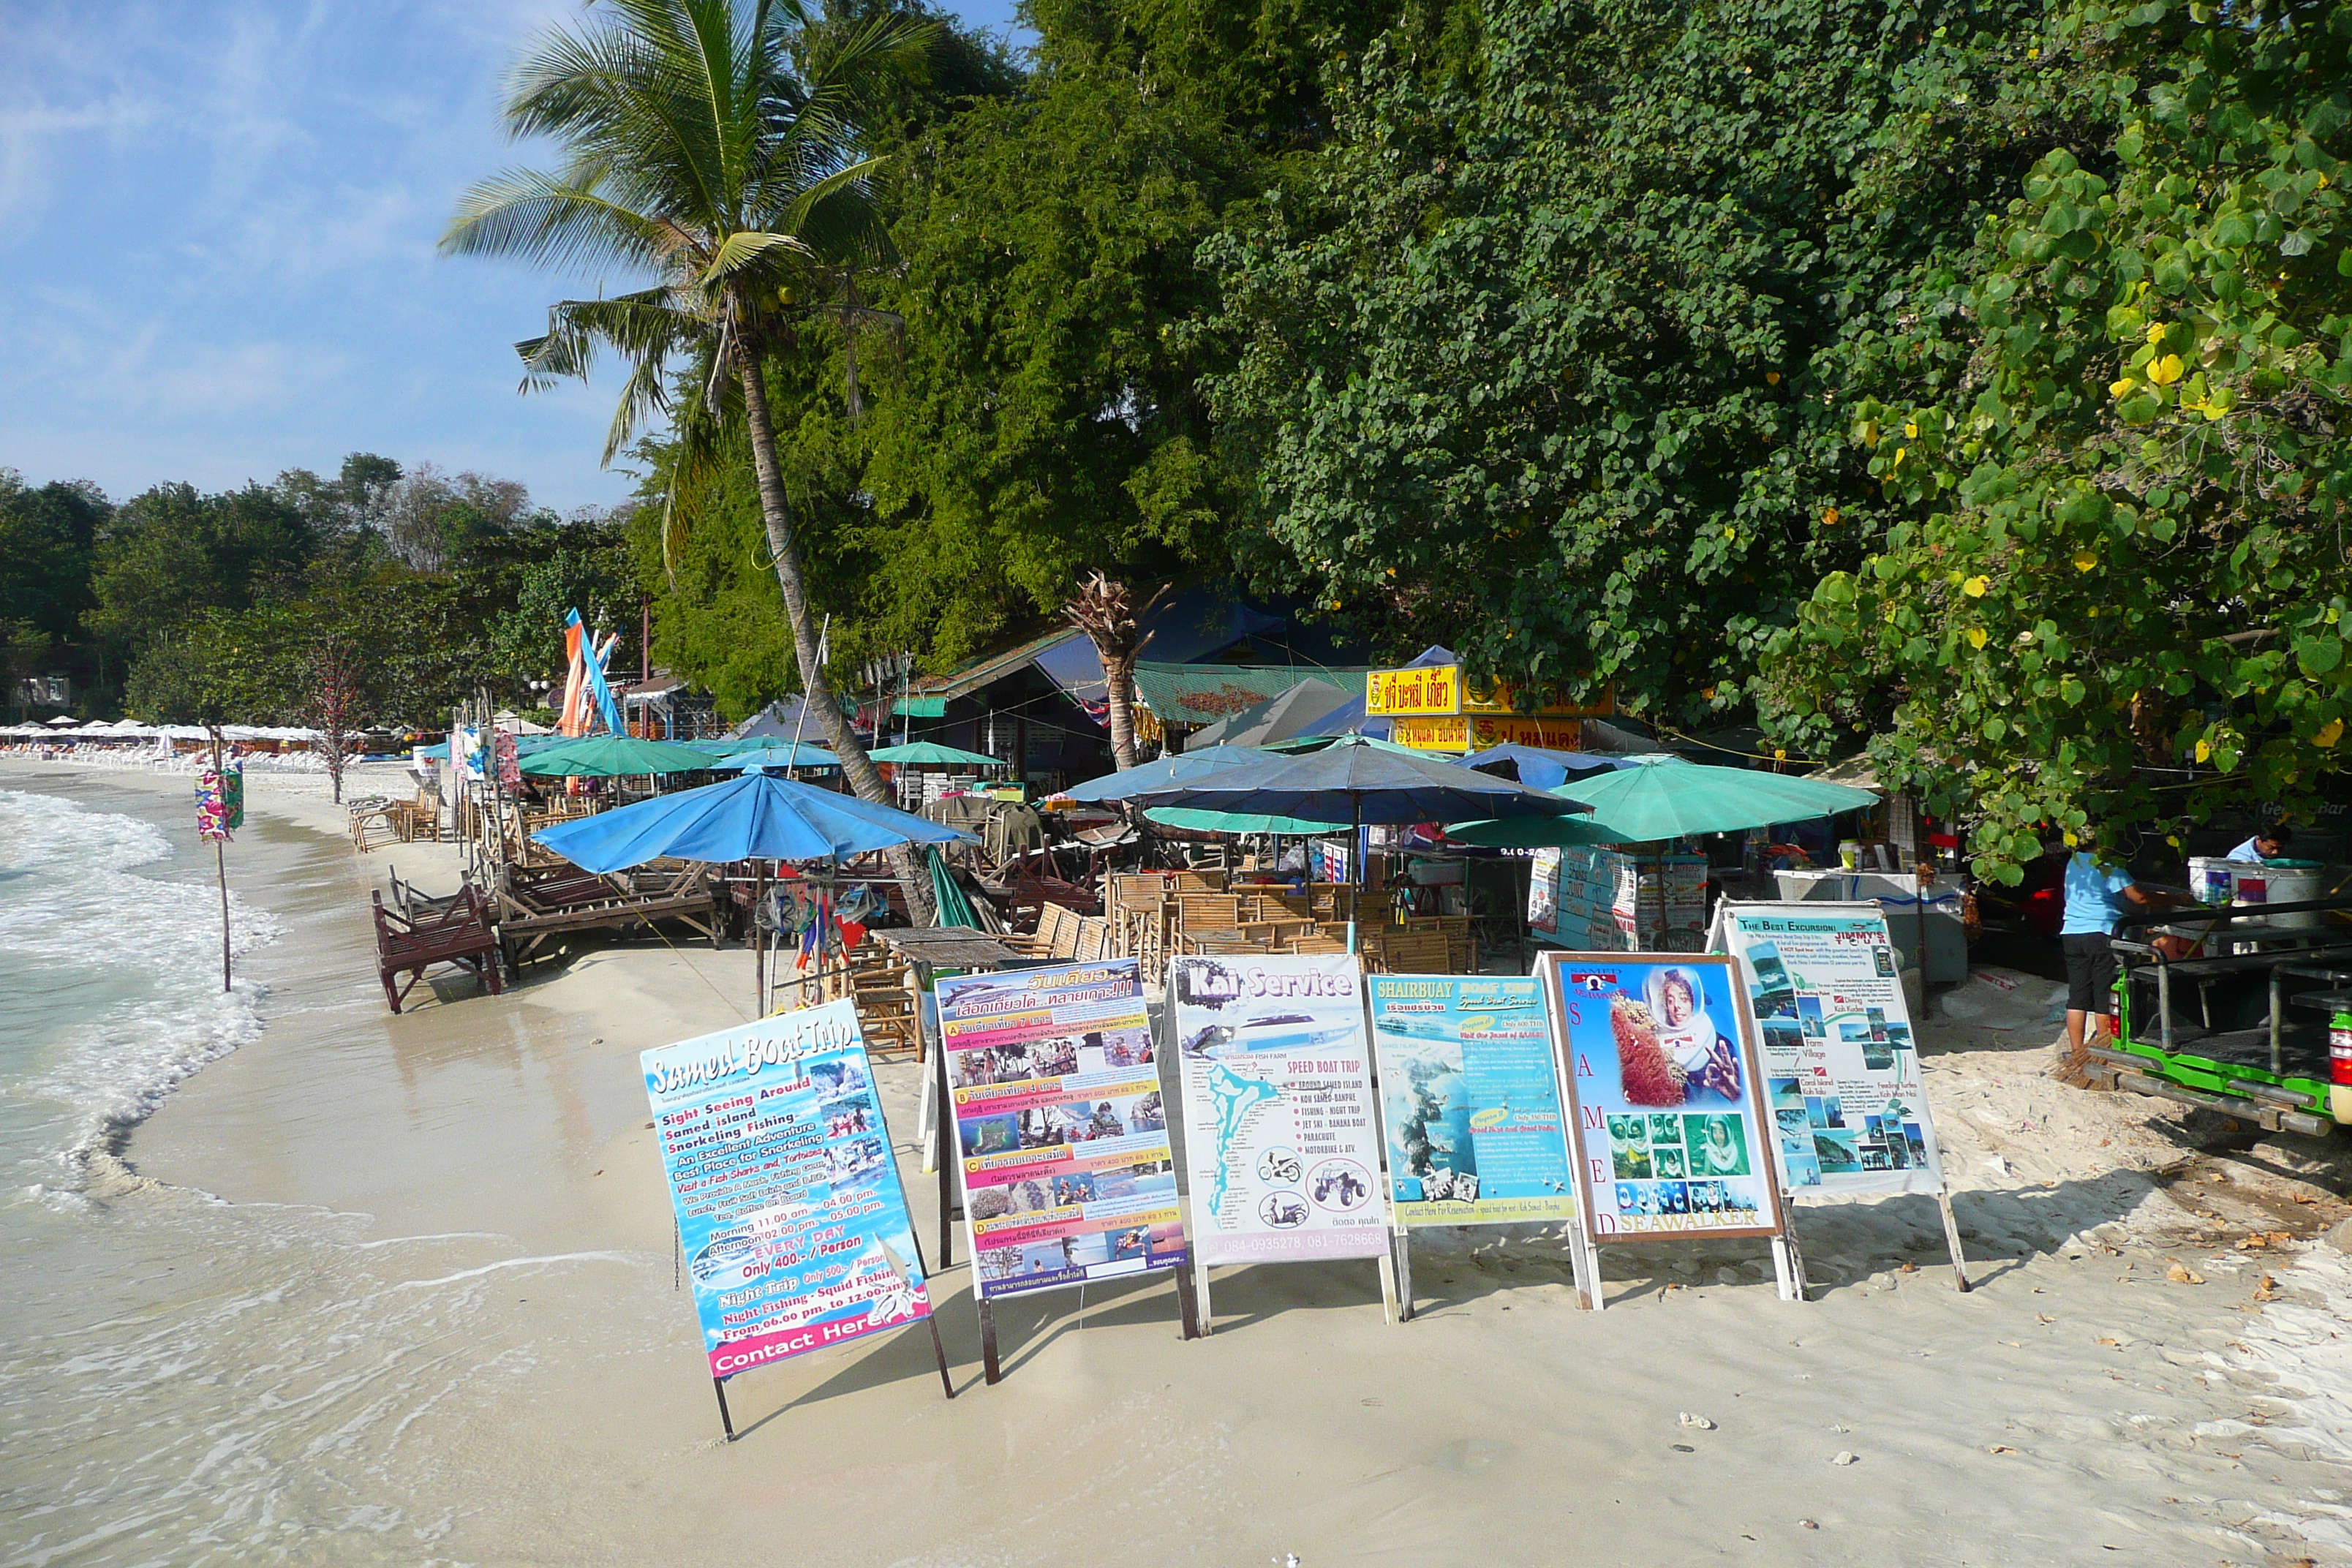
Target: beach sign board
x,y
1476,1126
1841,1065
1282,1148
1061,1132
791,1217
1666,1109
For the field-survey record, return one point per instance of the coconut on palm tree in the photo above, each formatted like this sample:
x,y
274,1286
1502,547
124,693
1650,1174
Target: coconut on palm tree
x,y
713,146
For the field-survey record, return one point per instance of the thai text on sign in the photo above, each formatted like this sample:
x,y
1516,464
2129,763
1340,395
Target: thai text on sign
x,y
1436,689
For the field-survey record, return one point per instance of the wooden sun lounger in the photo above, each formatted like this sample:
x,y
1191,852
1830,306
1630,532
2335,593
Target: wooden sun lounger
x,y
458,933
536,906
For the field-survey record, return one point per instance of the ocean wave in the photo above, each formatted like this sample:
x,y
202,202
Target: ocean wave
x,y
151,1009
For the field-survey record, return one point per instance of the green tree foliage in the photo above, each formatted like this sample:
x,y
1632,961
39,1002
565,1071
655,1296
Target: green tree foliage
x,y
49,537
1035,408
1552,357
2116,585
173,553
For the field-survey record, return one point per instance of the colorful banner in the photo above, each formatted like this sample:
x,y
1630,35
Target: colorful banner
x,y
1470,1096
1068,1172
790,1210
220,802
1669,1123
1840,1062
1284,1160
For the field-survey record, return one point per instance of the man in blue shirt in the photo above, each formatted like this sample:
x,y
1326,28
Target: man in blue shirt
x,y
2267,844
2096,893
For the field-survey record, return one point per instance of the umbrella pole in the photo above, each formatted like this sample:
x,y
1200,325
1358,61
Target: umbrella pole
x,y
1355,866
758,942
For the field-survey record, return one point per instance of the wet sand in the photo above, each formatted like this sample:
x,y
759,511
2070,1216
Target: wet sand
x,y
499,1369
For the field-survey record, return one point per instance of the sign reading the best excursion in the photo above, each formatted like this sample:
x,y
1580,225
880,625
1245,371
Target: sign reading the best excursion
x,y
1840,1063
793,1222
1068,1172
1670,1126
1470,1086
1278,1086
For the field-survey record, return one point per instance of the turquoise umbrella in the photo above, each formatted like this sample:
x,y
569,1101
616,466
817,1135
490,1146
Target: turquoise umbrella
x,y
1192,819
1661,796
785,754
936,756
615,757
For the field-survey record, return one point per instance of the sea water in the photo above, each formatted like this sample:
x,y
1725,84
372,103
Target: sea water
x,y
110,983
186,1380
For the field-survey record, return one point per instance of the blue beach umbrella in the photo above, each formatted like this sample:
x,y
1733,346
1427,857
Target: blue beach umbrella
x,y
1166,771
760,816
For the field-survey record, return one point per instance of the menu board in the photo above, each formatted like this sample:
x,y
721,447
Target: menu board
x,y
1060,1128
790,1212
1470,1095
1840,1062
1668,1115
1282,1157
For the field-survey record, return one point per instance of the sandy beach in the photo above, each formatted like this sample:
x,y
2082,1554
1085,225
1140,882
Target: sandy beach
x,y
374,1288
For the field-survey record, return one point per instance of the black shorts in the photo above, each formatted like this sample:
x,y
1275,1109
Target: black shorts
x,y
2090,973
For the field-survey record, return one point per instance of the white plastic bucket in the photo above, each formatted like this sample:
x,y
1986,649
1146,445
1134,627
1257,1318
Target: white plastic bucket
x,y
2288,882
2215,880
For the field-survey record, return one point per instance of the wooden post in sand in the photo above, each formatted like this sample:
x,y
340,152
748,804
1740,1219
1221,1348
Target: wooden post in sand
x,y
220,857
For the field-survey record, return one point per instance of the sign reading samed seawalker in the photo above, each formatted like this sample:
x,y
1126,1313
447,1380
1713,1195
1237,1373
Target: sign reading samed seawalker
x,y
789,1207
1470,1087
1672,1134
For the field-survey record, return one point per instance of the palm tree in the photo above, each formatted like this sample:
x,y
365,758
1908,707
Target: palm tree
x,y
1105,609
713,145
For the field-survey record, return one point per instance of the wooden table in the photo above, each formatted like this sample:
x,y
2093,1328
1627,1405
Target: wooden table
x,y
947,947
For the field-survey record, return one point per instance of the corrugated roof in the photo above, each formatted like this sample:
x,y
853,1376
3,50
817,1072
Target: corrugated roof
x,y
1204,693
973,674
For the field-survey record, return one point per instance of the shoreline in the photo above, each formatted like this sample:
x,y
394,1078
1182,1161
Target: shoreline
x,y
473,1197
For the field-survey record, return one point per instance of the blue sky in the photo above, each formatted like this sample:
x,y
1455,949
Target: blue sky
x,y
216,244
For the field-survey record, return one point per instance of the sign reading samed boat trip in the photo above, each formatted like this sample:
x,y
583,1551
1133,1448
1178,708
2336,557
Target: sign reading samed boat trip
x,y
1840,1063
1068,1172
1277,1093
1665,1107
793,1222
1470,1085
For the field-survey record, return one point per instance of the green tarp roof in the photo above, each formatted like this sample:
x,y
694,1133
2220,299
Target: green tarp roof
x,y
1204,693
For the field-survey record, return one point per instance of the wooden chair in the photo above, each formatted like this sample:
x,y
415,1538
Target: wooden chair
x,y
459,933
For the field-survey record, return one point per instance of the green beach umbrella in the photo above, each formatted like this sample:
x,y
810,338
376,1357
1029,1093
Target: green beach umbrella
x,y
1663,796
955,909
615,756
1195,820
933,753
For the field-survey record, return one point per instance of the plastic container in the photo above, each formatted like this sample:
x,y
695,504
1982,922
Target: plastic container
x,y
1850,854
2215,880
2290,882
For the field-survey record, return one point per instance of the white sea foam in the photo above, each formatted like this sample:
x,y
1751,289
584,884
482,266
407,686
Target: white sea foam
x,y
137,965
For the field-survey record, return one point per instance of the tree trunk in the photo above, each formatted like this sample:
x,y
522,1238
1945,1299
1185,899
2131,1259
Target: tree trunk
x,y
776,508
1118,682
